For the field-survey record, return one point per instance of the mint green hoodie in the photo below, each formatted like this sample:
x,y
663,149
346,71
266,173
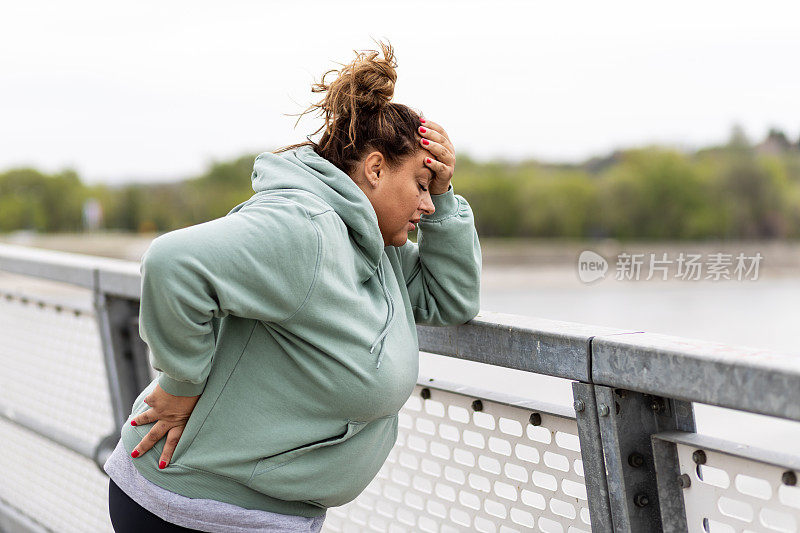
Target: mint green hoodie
x,y
297,327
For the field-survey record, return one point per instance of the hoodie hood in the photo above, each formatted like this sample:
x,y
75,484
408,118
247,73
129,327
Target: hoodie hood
x,y
302,168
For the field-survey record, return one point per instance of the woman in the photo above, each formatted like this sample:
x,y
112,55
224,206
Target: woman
x,y
284,333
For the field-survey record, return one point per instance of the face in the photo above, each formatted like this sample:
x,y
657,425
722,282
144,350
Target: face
x,y
400,195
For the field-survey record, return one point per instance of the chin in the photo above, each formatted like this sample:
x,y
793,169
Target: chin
x,y
400,240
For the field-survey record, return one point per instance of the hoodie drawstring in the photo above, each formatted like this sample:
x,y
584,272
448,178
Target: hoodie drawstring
x,y
388,322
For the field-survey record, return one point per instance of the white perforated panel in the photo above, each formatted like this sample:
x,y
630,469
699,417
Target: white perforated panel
x,y
52,371
731,494
457,469
55,487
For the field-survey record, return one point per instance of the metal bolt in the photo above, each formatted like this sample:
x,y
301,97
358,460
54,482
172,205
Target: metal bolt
x,y
603,409
641,500
699,457
477,405
684,481
789,478
425,393
536,419
635,459
579,405
657,405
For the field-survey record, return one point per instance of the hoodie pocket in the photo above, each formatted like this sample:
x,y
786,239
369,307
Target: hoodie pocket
x,y
330,472
275,461
295,475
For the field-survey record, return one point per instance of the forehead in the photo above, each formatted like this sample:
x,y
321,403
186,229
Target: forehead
x,y
416,164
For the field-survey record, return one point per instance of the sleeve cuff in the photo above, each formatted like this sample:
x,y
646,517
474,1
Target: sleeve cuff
x,y
180,388
445,204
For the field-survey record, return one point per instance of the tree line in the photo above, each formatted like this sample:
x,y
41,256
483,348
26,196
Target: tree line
x,y
734,191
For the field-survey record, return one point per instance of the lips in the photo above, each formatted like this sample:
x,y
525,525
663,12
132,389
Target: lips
x,y
413,223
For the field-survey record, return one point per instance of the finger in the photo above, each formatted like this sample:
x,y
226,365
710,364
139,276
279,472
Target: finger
x,y
173,436
155,434
147,417
439,168
435,136
430,125
438,151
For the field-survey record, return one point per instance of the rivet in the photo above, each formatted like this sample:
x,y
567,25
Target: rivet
x,y
579,405
684,481
699,457
641,500
603,409
536,419
789,478
477,405
425,393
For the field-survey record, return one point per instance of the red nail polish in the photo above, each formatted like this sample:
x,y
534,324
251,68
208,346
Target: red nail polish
x,y
133,422
428,160
422,120
162,464
422,130
425,142
135,454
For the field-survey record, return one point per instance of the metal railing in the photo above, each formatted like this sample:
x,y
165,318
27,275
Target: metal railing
x,y
625,457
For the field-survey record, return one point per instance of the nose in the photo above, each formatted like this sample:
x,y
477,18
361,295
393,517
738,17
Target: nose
x,y
426,205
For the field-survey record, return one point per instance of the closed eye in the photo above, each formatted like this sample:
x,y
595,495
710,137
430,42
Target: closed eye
x,y
423,188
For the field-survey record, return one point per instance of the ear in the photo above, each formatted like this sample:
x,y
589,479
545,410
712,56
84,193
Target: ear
x,y
374,164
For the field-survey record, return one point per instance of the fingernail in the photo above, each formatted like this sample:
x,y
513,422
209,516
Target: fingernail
x,y
427,159
133,422
425,142
422,130
422,120
162,464
135,454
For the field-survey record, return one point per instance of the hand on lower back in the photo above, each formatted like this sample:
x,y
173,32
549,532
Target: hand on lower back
x,y
170,414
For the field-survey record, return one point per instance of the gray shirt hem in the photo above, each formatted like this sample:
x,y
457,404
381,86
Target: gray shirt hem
x,y
202,514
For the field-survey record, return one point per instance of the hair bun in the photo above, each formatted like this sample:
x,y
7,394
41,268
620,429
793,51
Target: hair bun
x,y
357,110
371,78
366,83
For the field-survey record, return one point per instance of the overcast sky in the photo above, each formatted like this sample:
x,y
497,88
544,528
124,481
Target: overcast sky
x,y
149,91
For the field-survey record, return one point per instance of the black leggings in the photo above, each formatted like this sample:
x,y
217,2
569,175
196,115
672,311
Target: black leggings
x,y
127,516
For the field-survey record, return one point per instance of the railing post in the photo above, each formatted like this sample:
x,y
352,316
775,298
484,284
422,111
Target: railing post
x,y
594,470
125,356
670,487
627,421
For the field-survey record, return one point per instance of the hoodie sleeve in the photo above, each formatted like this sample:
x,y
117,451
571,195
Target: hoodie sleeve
x,y
259,263
443,271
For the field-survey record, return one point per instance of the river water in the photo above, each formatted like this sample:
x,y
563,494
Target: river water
x,y
761,313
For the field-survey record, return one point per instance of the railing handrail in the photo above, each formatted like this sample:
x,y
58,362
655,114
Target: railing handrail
x,y
742,378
